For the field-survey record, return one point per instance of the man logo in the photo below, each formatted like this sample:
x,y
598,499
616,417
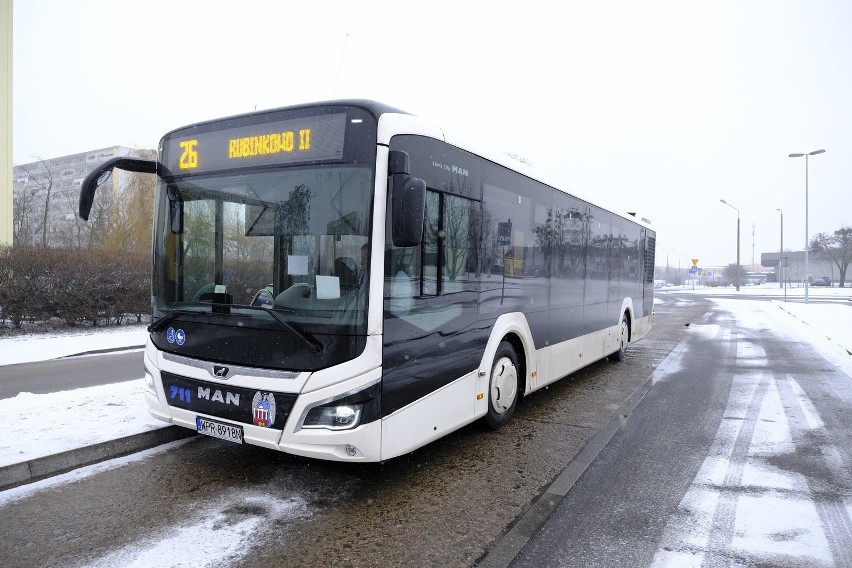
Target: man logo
x,y
220,371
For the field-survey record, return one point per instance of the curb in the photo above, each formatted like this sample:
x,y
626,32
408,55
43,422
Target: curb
x,y
508,545
40,468
101,351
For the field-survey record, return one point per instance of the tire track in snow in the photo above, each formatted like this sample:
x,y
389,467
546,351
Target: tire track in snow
x,y
724,519
744,506
827,479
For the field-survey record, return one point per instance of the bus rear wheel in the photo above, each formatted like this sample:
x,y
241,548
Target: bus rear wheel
x,y
503,386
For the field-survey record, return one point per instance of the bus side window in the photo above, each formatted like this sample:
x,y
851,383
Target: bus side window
x,y
431,248
402,273
449,243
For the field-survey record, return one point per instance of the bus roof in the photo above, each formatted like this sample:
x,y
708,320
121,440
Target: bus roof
x,y
394,121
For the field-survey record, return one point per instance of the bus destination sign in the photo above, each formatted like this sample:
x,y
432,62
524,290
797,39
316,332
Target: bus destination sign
x,y
283,142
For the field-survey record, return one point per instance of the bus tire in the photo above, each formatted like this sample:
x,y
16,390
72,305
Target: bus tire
x,y
503,386
623,339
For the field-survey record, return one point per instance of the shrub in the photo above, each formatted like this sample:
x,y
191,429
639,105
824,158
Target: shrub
x,y
76,285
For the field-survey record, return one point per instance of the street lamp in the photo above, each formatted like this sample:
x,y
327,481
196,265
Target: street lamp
x,y
807,236
781,253
738,241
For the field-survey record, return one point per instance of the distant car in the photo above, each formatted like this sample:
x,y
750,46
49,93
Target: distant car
x,y
821,281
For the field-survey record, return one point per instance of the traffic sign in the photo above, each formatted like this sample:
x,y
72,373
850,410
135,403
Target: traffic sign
x,y
694,262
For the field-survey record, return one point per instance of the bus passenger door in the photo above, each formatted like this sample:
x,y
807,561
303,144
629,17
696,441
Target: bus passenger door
x,y
430,302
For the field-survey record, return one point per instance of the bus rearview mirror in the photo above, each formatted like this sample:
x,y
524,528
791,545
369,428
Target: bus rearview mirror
x,y
175,210
102,173
408,206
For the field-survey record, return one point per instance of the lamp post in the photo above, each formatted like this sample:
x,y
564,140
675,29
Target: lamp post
x,y
807,236
738,241
781,252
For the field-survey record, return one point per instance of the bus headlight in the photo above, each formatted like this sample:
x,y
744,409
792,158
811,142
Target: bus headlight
x,y
345,411
334,417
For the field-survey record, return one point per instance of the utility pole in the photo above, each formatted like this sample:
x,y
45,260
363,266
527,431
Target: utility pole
x,y
753,225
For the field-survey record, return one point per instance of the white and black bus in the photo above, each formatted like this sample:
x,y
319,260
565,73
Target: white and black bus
x,y
338,280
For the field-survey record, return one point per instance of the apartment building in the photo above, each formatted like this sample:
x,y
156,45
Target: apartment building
x,y
49,190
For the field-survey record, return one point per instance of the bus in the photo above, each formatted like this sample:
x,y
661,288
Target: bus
x,y
343,281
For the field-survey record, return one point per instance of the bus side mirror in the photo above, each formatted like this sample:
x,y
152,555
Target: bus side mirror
x,y
408,206
175,210
100,174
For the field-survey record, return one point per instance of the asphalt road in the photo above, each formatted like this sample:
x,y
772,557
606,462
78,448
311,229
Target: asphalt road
x,y
737,456
70,373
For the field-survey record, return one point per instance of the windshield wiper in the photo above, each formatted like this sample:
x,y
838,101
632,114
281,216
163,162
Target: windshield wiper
x,y
315,347
168,318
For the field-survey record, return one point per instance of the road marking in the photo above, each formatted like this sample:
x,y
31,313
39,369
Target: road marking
x,y
767,493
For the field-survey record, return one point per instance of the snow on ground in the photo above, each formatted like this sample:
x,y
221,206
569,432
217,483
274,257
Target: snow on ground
x,y
44,424
42,347
742,504
22,492
829,311
37,425
230,522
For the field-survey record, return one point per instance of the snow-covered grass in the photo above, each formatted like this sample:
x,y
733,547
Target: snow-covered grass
x,y
44,346
794,292
37,425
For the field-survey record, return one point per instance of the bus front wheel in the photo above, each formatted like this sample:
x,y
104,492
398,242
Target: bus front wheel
x,y
623,339
503,386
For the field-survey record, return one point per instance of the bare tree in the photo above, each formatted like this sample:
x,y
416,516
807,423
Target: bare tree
x,y
120,219
23,205
75,233
100,223
836,247
41,176
136,204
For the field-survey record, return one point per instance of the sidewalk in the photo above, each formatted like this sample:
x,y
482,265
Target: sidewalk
x,y
48,434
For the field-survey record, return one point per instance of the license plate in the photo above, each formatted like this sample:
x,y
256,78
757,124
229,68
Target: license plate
x,y
219,430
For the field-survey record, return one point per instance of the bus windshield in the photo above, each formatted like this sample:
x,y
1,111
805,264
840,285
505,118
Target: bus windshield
x,y
288,240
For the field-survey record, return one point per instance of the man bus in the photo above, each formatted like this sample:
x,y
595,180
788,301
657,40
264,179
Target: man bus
x,y
338,280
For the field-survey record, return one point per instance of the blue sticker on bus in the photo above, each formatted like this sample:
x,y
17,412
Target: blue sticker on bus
x,y
170,335
180,337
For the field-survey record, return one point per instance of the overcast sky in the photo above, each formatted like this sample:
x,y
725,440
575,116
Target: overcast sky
x,y
659,107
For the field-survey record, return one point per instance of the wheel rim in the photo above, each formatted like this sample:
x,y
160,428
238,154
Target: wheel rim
x,y
504,385
625,334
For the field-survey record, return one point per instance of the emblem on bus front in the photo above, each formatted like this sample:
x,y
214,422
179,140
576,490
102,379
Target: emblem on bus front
x,y
220,371
263,409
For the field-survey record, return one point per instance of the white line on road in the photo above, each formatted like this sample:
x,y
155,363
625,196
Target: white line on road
x,y
744,507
